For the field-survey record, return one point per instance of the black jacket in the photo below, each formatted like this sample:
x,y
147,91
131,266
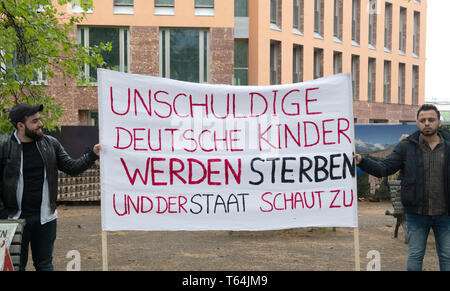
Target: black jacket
x,y
407,156
55,158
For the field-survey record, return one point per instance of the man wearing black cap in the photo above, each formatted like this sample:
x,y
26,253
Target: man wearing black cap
x,y
29,168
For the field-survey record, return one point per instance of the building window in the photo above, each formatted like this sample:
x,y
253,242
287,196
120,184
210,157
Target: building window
x,y
240,62
241,8
401,83
275,62
415,85
388,26
337,63
164,7
356,12
372,28
204,7
318,17
387,82
355,77
275,14
416,36
118,58
123,6
298,16
378,121
184,54
164,3
87,117
402,31
318,63
371,84
38,76
297,64
338,6
76,7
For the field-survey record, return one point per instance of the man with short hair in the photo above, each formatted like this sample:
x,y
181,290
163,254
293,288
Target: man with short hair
x,y
29,168
424,158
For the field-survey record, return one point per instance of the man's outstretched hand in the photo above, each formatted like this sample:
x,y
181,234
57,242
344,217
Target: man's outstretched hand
x,y
357,158
96,150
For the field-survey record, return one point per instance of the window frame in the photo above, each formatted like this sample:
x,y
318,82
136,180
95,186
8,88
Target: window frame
x,y
297,63
204,59
122,29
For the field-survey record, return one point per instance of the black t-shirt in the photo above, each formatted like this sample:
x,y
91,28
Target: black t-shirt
x,y
33,179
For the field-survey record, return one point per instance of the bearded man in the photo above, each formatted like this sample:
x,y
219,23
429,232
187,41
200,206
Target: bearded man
x,y
424,159
29,168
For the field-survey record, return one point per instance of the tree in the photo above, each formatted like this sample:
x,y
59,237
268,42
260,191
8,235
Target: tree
x,y
37,39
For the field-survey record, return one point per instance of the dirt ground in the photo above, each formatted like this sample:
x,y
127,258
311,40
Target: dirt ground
x,y
79,228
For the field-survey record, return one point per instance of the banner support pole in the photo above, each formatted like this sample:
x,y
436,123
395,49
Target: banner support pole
x,y
105,250
356,246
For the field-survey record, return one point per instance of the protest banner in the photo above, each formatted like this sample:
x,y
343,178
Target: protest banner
x,y
185,156
7,231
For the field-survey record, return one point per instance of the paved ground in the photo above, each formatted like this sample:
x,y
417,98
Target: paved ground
x,y
79,229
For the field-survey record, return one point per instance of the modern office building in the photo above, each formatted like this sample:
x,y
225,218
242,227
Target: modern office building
x,y
262,42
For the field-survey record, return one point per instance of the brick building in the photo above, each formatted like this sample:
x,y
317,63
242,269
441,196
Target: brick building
x,y
261,42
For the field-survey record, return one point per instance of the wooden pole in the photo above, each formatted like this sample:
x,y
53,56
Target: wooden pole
x,y
105,250
356,239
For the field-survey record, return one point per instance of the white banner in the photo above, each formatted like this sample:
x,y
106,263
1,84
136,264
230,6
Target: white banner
x,y
185,156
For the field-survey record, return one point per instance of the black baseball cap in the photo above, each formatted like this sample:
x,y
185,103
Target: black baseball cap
x,y
22,110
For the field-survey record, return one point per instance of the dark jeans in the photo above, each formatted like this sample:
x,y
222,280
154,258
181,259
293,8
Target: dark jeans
x,y
41,238
418,229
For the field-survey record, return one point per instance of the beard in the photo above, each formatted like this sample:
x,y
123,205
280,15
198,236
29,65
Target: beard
x,y
34,134
429,133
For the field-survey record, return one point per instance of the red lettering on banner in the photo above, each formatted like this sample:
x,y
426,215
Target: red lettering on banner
x,y
162,102
234,108
274,109
342,131
175,108
296,104
262,138
220,139
158,199
251,104
150,144
284,201
211,172
191,139
115,208
112,103
154,171
173,172
118,139
228,107
143,204
137,139
305,132
136,172
232,148
172,130
199,104
307,101
324,132
351,201
200,141
237,176
286,130
334,199
191,181
149,108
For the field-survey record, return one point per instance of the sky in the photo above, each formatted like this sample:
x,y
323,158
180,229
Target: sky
x,y
437,72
